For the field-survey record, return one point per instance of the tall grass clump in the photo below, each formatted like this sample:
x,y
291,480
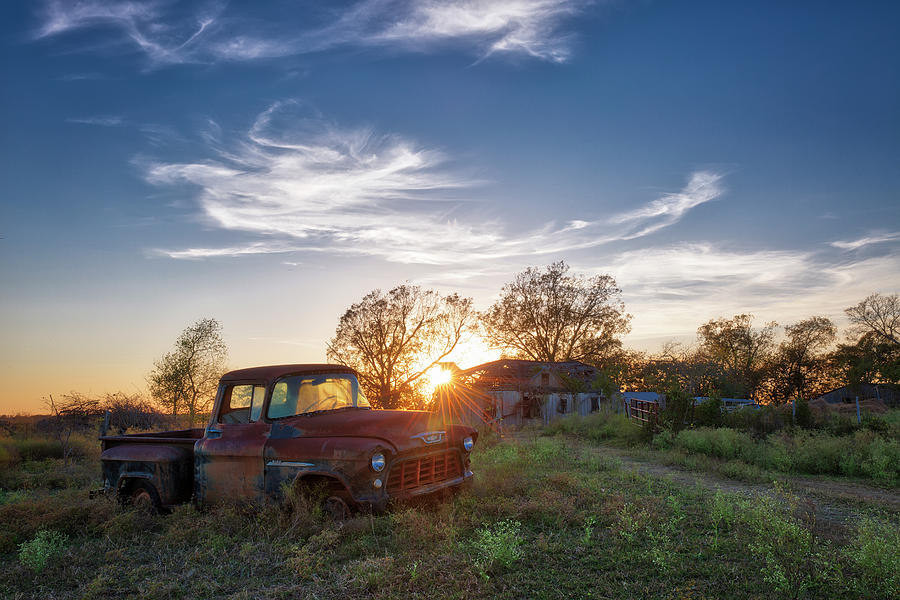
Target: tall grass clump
x,y
600,427
863,454
720,443
32,448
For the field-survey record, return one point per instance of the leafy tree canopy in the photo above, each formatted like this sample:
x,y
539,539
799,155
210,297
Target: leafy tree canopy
x,y
550,315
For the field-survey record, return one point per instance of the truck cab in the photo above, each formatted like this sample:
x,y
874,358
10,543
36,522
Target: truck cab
x,y
292,425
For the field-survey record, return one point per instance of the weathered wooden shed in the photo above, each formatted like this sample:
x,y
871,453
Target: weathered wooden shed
x,y
511,393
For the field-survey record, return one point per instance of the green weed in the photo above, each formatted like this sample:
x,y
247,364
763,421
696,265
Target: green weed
x,y
783,544
497,547
46,545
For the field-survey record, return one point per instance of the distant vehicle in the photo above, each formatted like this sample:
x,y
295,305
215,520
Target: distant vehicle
x,y
291,425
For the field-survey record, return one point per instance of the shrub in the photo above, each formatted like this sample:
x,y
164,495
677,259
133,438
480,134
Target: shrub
x,y
758,422
882,462
875,551
818,454
678,406
708,413
802,414
44,546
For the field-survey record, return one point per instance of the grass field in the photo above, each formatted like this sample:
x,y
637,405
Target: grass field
x,y
547,517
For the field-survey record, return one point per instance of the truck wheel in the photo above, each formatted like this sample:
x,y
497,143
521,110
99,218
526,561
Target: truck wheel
x,y
336,508
142,496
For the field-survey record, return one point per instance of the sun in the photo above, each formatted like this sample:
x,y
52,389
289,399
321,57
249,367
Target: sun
x,y
439,376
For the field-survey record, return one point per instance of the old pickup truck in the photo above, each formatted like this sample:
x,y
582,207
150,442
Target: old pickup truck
x,y
291,425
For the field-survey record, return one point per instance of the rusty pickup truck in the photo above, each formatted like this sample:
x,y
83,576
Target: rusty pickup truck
x,y
291,425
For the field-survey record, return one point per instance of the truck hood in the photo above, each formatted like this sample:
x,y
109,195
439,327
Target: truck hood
x,y
403,429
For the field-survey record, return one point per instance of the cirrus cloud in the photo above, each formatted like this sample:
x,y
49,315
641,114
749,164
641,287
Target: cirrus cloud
x,y
297,182
169,33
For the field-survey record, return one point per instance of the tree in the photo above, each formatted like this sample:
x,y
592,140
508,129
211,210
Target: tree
x,y
684,367
392,339
552,316
799,366
877,316
185,379
875,355
740,350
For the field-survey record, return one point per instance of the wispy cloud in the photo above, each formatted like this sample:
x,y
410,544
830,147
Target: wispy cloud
x,y
81,77
163,35
166,35
524,26
104,121
302,183
875,238
702,187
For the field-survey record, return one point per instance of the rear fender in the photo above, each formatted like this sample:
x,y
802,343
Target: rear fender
x,y
168,468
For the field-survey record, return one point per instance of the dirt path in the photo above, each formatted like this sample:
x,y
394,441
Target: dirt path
x,y
834,502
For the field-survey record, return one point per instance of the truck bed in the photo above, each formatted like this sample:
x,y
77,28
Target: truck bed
x,y
183,438
164,460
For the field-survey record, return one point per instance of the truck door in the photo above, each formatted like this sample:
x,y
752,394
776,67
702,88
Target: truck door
x,y
229,458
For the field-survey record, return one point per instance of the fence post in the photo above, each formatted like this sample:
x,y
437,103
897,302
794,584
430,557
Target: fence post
x,y
858,420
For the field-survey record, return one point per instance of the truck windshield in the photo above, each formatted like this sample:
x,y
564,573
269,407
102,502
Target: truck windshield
x,y
300,394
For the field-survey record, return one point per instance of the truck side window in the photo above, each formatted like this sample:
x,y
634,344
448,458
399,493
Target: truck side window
x,y
242,403
279,406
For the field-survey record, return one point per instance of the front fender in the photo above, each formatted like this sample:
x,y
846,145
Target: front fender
x,y
345,459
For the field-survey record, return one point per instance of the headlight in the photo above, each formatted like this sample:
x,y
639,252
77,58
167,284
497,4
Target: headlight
x,y
378,462
468,443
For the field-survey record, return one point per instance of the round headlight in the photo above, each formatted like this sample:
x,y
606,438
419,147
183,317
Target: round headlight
x,y
378,462
468,443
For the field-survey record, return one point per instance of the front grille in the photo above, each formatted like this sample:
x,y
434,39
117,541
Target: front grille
x,y
409,475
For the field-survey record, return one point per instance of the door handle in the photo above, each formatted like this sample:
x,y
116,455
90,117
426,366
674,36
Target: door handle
x,y
213,433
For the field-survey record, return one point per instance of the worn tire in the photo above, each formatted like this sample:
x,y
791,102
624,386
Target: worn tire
x,y
142,496
336,508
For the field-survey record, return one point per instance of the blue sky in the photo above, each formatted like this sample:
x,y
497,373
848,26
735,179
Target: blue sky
x,y
166,161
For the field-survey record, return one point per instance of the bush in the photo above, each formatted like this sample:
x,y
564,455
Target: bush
x,y
882,461
758,422
875,552
46,545
708,413
678,407
802,414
